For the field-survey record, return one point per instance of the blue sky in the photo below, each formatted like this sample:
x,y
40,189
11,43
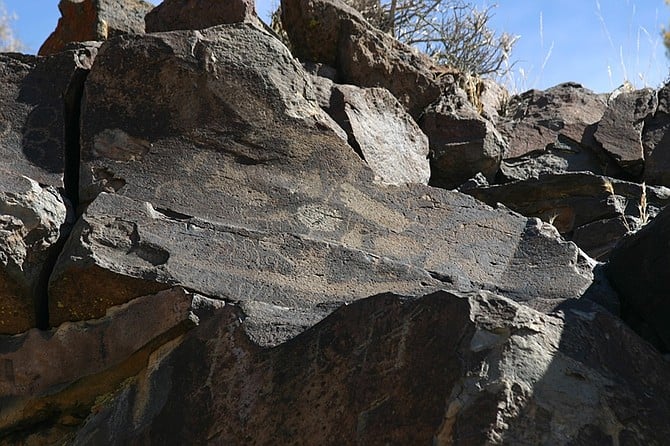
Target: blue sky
x,y
598,43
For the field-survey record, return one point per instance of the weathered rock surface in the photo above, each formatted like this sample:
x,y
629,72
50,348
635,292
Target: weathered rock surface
x,y
462,142
656,142
330,32
87,20
594,211
441,369
38,105
638,269
620,129
383,133
31,217
56,378
258,161
537,120
172,15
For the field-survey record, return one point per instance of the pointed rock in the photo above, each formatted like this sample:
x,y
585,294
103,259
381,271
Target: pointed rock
x,y
172,15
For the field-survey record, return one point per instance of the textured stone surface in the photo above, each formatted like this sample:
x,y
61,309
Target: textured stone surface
x,y
462,142
638,269
442,369
30,226
656,142
85,20
595,210
38,105
330,32
259,161
620,130
56,378
388,139
536,119
172,15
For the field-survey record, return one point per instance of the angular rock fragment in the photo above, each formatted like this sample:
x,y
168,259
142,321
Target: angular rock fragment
x,y
620,130
172,15
537,120
638,269
330,32
379,128
656,142
237,157
592,210
56,378
30,226
441,369
462,142
87,20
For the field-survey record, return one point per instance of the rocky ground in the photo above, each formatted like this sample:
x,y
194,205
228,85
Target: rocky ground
x,y
208,238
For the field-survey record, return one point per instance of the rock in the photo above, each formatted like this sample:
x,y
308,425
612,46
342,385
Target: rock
x,y
493,99
620,130
30,227
656,142
384,134
39,123
239,159
441,369
462,143
87,20
536,120
172,15
637,269
62,374
594,211
332,33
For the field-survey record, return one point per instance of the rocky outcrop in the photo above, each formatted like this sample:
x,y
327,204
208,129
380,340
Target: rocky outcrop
x,y
537,120
637,270
380,129
40,101
594,211
656,142
87,20
441,369
462,142
620,130
256,171
172,15
330,32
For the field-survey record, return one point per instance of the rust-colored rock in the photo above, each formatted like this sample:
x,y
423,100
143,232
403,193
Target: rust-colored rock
x,y
86,20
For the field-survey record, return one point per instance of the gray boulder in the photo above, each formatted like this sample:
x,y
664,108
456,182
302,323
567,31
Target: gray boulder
x,y
656,142
462,142
637,269
172,15
620,130
441,369
330,32
242,171
380,129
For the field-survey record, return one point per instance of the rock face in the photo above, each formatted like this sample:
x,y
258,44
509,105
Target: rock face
x,y
636,270
656,142
87,20
330,32
592,210
462,143
441,369
39,102
620,130
384,134
238,273
172,15
263,176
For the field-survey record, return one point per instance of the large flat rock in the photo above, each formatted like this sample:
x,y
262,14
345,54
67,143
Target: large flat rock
x,y
229,179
